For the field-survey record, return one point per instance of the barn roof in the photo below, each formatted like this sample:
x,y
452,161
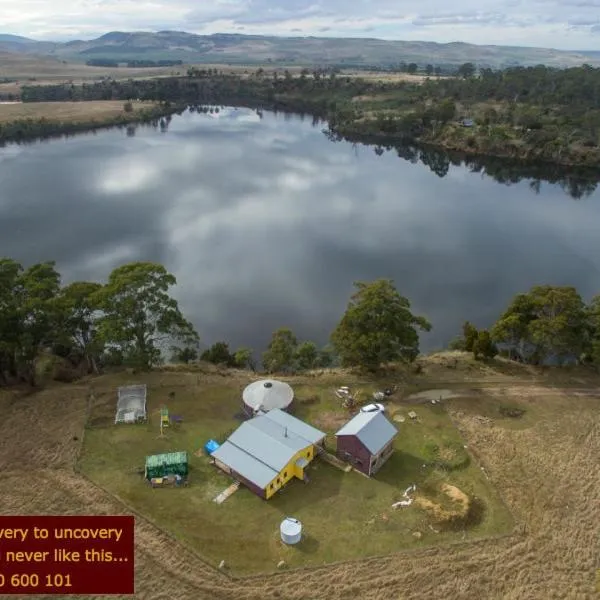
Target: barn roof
x,y
372,428
264,445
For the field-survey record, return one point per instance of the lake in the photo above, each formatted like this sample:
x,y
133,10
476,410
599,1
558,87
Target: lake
x,y
265,222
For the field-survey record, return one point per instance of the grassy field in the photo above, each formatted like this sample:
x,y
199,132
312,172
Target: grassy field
x,y
345,515
22,69
543,464
39,69
66,111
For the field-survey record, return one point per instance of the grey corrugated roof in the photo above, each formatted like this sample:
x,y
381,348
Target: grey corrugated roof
x,y
244,464
270,441
371,428
270,447
300,428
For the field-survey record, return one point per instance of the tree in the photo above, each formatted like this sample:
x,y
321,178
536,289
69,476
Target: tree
x,y
243,358
466,70
128,107
470,334
139,315
326,357
36,291
184,355
307,355
445,111
378,327
78,306
219,354
593,324
279,355
546,321
412,68
483,346
10,325
429,70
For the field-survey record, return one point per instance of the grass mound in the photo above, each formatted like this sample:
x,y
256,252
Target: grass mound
x,y
449,506
449,455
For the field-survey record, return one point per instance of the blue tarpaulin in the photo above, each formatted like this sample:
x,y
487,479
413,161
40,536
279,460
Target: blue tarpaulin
x,y
211,446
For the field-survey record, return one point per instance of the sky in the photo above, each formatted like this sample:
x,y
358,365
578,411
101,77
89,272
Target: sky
x,y
561,24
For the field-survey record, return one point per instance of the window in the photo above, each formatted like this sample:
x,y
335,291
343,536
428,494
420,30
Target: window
x,y
271,486
308,454
284,474
278,481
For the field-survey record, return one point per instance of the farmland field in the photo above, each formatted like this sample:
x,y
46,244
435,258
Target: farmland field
x,y
543,464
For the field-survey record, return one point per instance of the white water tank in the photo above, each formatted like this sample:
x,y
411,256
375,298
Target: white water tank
x,y
291,531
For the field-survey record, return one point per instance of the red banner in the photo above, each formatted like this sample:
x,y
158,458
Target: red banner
x,y
66,555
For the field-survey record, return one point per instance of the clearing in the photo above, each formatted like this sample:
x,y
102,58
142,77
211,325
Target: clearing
x,y
344,515
544,465
67,111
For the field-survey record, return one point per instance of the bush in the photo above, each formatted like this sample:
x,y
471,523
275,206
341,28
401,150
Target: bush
x,y
513,412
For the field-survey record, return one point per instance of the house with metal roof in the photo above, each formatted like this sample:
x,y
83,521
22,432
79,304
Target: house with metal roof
x,y
366,441
266,452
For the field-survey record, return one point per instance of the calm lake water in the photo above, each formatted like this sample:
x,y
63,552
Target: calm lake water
x,y
266,223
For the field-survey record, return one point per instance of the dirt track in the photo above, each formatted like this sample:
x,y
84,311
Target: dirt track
x,y
548,474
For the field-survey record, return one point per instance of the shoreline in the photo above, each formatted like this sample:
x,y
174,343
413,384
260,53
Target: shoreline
x,y
32,128
68,118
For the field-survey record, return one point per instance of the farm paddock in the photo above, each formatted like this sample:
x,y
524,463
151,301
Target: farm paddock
x,y
344,515
544,465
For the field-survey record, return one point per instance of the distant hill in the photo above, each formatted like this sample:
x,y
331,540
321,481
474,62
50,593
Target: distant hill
x,y
223,48
7,37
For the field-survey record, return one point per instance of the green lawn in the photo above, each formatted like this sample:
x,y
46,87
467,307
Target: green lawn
x,y
344,515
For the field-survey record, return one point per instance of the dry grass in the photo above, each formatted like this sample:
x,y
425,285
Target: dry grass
x,y
546,469
457,511
27,67
66,111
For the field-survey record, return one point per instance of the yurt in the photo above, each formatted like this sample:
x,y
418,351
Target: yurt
x,y
265,395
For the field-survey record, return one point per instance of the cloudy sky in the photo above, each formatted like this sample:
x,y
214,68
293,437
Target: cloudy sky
x,y
566,24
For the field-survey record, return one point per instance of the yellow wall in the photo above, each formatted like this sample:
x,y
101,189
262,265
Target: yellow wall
x,y
290,470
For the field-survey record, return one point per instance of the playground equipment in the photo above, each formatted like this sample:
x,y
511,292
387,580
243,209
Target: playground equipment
x,y
164,420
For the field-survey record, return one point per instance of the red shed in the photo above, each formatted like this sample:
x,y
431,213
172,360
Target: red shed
x,y
366,441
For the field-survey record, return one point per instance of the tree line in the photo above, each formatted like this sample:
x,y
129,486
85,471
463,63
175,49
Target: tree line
x,y
546,324
133,320
127,320
523,112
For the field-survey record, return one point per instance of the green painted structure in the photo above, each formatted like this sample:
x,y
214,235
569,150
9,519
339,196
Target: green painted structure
x,y
173,463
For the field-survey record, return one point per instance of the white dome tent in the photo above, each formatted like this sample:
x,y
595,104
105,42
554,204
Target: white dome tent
x,y
291,531
267,394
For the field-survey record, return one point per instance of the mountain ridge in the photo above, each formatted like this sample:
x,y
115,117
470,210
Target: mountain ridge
x,y
237,48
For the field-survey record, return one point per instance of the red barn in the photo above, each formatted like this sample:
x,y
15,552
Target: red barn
x,y
366,441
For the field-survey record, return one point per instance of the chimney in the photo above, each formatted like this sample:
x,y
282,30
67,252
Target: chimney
x,y
285,434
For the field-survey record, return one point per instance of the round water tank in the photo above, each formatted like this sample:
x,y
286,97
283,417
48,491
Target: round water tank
x,y
291,531
266,395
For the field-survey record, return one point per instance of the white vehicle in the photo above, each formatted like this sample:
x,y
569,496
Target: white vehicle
x,y
373,408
